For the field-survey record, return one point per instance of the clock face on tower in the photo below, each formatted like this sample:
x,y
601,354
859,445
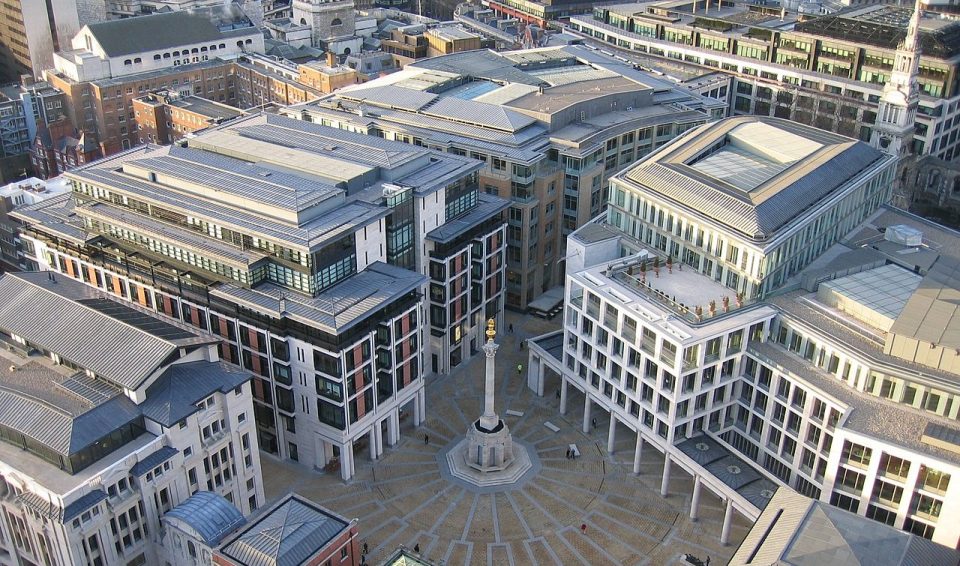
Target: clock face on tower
x,y
885,142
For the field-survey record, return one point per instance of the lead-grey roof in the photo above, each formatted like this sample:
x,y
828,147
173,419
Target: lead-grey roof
x,y
61,315
478,113
288,534
729,468
208,247
756,214
311,234
209,515
488,207
336,309
153,460
64,413
798,531
481,63
56,214
234,176
175,394
163,31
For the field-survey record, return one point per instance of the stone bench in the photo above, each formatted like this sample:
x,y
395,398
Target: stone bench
x,y
574,450
513,413
551,426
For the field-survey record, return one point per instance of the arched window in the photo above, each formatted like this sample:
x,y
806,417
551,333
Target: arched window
x,y
239,44
346,51
127,62
176,53
156,57
203,49
303,21
166,55
194,50
223,46
138,60
336,22
248,42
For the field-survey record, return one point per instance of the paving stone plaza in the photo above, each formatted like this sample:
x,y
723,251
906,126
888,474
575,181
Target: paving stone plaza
x,y
407,498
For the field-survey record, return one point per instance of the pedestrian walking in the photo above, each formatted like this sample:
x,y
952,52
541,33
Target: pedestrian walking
x,y
593,421
558,393
511,328
583,528
426,439
519,369
416,548
366,549
568,453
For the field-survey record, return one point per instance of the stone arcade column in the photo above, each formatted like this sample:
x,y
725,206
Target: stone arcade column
x,y
695,499
637,453
727,520
587,405
665,483
612,433
563,395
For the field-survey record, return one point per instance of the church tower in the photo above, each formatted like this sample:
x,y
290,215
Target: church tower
x,y
893,131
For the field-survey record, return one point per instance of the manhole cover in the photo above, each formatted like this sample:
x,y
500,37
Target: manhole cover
x,y
733,469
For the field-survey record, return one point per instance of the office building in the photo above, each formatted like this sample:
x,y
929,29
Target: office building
x,y
549,127
308,250
108,66
164,118
32,32
826,71
756,313
19,193
539,13
111,416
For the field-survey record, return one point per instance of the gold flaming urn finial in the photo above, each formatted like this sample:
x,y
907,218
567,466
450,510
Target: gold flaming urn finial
x,y
491,329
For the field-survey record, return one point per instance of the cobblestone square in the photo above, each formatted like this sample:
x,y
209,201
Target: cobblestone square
x,y
402,498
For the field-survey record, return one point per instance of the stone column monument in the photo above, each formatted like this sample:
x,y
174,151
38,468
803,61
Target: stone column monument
x,y
487,456
489,446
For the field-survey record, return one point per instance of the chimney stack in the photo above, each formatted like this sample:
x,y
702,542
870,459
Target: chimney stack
x,y
331,59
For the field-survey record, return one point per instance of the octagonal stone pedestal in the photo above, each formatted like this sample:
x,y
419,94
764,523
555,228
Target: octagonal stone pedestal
x,y
457,461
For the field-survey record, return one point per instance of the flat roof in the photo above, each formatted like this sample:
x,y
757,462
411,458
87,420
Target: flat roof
x,y
884,290
932,314
488,207
752,174
206,107
336,309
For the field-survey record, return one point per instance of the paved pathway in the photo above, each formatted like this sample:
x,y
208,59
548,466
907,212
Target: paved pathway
x,y
402,498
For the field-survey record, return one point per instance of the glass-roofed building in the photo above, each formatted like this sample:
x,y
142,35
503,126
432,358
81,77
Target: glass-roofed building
x,y
751,308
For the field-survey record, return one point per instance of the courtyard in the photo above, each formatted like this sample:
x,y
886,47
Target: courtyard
x,y
403,498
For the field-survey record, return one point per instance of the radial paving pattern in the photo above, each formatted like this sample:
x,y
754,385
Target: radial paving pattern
x,y
402,498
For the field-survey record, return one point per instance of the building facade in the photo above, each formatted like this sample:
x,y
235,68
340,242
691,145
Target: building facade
x,y
307,250
34,31
549,127
827,71
104,433
834,381
20,193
